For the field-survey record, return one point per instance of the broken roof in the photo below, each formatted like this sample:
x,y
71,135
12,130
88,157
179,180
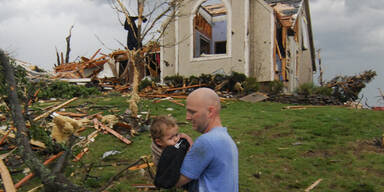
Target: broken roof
x,y
216,9
287,10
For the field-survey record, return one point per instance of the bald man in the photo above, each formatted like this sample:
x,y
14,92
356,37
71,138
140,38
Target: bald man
x,y
213,158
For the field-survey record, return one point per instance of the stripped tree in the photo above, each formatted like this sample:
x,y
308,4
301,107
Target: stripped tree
x,y
160,14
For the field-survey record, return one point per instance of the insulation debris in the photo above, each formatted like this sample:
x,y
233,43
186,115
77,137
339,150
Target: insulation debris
x,y
64,127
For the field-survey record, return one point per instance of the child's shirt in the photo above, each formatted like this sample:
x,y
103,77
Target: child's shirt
x,y
169,164
156,153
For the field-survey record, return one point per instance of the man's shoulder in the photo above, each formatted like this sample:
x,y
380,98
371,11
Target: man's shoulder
x,y
216,135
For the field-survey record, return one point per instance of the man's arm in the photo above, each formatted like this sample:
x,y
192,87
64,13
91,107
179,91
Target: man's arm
x,y
182,180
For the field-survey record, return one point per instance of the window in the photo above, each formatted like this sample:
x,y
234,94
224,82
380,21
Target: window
x,y
210,29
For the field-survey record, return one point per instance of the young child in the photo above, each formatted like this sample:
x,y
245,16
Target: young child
x,y
164,132
168,150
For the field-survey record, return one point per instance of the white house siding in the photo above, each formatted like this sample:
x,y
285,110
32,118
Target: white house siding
x,y
261,41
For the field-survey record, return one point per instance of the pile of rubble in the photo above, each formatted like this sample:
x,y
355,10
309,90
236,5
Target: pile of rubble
x,y
60,127
305,100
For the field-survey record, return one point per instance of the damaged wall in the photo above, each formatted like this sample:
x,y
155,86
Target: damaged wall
x,y
252,39
168,52
184,62
261,38
305,68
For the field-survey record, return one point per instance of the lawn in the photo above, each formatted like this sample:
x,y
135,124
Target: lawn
x,y
279,149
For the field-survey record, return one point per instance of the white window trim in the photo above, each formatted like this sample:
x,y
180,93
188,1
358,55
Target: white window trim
x,y
229,33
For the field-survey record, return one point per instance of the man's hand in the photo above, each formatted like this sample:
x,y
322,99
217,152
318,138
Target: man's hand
x,y
188,138
182,180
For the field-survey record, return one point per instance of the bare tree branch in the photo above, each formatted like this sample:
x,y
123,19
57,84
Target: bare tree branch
x,y
68,40
173,5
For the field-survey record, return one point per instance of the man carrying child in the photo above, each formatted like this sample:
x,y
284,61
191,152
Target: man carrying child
x,y
211,164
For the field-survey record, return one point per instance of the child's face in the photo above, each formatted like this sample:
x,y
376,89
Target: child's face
x,y
171,137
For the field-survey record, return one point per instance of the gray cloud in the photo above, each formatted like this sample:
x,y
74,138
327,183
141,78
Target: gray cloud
x,y
351,36
354,6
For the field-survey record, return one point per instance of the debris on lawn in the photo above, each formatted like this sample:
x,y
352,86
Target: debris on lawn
x,y
313,185
6,177
29,176
305,100
113,132
347,88
110,153
64,127
255,97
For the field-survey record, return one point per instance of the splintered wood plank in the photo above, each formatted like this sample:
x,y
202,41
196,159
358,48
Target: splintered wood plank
x,y
54,109
6,177
113,132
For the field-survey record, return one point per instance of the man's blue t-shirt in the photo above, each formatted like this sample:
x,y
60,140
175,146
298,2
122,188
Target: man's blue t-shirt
x,y
213,160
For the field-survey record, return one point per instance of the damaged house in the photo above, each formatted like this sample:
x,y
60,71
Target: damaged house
x,y
266,39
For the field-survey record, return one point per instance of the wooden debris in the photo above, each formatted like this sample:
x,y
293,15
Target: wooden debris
x,y
70,114
97,115
33,142
6,177
185,87
113,132
5,136
144,186
221,85
36,188
177,103
29,176
163,96
54,109
34,96
124,125
87,140
313,185
81,154
302,107
141,166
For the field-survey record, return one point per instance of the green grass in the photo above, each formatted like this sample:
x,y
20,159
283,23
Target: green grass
x,y
279,149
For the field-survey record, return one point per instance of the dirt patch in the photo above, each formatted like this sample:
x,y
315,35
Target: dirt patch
x,y
318,153
372,145
284,134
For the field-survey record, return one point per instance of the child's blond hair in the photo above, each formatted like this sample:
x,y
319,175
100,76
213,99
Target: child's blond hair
x,y
160,124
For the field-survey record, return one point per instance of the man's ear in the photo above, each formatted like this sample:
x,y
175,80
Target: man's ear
x,y
211,111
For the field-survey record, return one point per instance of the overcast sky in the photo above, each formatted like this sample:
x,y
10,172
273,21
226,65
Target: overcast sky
x,y
350,33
